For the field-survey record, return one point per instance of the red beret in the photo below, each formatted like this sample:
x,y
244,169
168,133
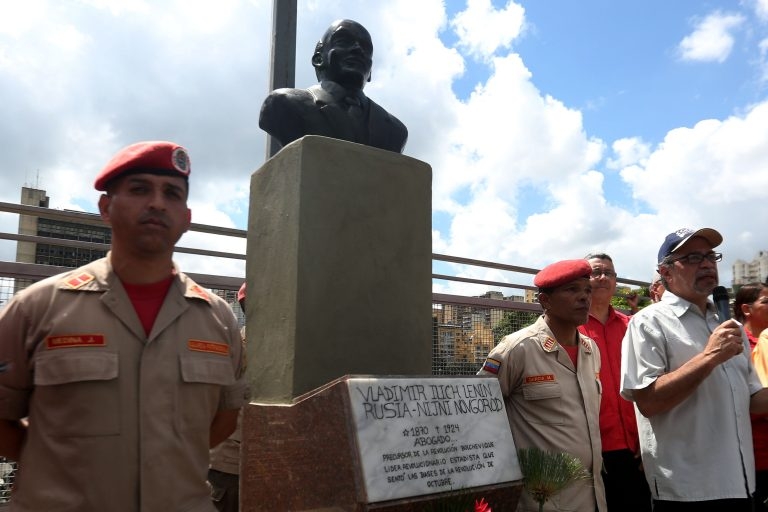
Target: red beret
x,y
154,157
241,293
562,272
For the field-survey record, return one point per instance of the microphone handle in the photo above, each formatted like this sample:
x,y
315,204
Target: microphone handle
x,y
723,310
722,303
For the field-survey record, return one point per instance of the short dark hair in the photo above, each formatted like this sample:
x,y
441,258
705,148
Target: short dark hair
x,y
598,256
664,263
747,294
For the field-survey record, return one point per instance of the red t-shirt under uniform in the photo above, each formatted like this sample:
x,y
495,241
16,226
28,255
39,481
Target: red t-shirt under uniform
x,y
147,299
618,426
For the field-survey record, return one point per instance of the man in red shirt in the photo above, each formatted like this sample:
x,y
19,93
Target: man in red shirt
x,y
626,489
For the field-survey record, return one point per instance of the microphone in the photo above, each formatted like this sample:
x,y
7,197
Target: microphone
x,y
720,296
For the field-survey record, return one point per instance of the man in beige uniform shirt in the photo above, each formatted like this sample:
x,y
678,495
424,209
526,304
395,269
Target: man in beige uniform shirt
x,y
550,378
224,473
126,369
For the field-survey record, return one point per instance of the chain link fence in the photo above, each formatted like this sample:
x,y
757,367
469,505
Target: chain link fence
x,y
464,334
464,330
7,471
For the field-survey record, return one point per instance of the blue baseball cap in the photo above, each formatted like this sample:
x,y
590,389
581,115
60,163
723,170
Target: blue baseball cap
x,y
677,239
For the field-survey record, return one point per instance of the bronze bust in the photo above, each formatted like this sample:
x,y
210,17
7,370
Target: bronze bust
x,y
336,107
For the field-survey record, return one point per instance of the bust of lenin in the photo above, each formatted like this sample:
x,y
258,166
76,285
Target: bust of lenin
x,y
337,106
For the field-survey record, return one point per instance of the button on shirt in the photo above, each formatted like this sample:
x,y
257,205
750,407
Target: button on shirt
x,y
701,449
618,429
118,421
554,406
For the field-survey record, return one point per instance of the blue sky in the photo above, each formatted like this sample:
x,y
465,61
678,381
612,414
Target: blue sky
x,y
619,62
554,128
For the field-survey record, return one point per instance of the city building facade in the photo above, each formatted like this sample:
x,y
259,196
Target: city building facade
x,y
745,272
58,253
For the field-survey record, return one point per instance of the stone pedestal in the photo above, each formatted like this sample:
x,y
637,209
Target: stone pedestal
x,y
305,457
339,266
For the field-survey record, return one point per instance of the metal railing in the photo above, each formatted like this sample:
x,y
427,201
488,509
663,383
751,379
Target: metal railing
x,y
95,219
457,317
464,328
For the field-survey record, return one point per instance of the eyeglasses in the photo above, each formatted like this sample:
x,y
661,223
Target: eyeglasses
x,y
596,273
695,258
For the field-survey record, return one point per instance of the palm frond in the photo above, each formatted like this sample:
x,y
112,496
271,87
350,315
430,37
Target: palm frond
x,y
547,473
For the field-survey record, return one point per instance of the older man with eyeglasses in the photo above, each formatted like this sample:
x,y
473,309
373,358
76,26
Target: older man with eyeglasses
x,y
693,385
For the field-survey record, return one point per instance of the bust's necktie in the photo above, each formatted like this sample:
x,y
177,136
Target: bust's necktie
x,y
354,106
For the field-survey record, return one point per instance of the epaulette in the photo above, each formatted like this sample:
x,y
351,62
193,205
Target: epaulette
x,y
75,282
197,291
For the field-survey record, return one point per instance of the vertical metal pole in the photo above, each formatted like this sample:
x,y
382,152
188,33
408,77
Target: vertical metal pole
x,y
282,67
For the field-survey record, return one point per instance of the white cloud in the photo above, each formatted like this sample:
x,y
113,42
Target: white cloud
x,y
516,174
628,151
508,133
509,136
579,220
712,39
21,17
483,29
119,7
713,175
761,9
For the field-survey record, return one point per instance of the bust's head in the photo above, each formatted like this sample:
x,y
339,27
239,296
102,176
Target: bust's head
x,y
344,55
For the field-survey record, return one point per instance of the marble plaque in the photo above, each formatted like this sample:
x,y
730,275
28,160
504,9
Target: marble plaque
x,y
420,436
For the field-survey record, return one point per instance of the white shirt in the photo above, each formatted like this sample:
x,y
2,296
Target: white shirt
x,y
701,449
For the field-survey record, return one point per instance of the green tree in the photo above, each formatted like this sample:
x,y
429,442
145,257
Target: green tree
x,y
512,321
620,301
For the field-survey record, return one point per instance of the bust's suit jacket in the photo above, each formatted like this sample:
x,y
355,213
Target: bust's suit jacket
x,y
289,114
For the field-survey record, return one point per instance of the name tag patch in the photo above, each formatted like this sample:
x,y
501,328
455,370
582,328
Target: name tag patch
x,y
533,379
75,340
211,347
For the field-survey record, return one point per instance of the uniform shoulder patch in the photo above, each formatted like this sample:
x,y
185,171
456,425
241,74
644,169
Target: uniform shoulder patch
x,y
197,291
75,282
492,365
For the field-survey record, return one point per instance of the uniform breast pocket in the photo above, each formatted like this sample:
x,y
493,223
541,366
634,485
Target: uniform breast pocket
x,y
203,377
77,393
543,403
